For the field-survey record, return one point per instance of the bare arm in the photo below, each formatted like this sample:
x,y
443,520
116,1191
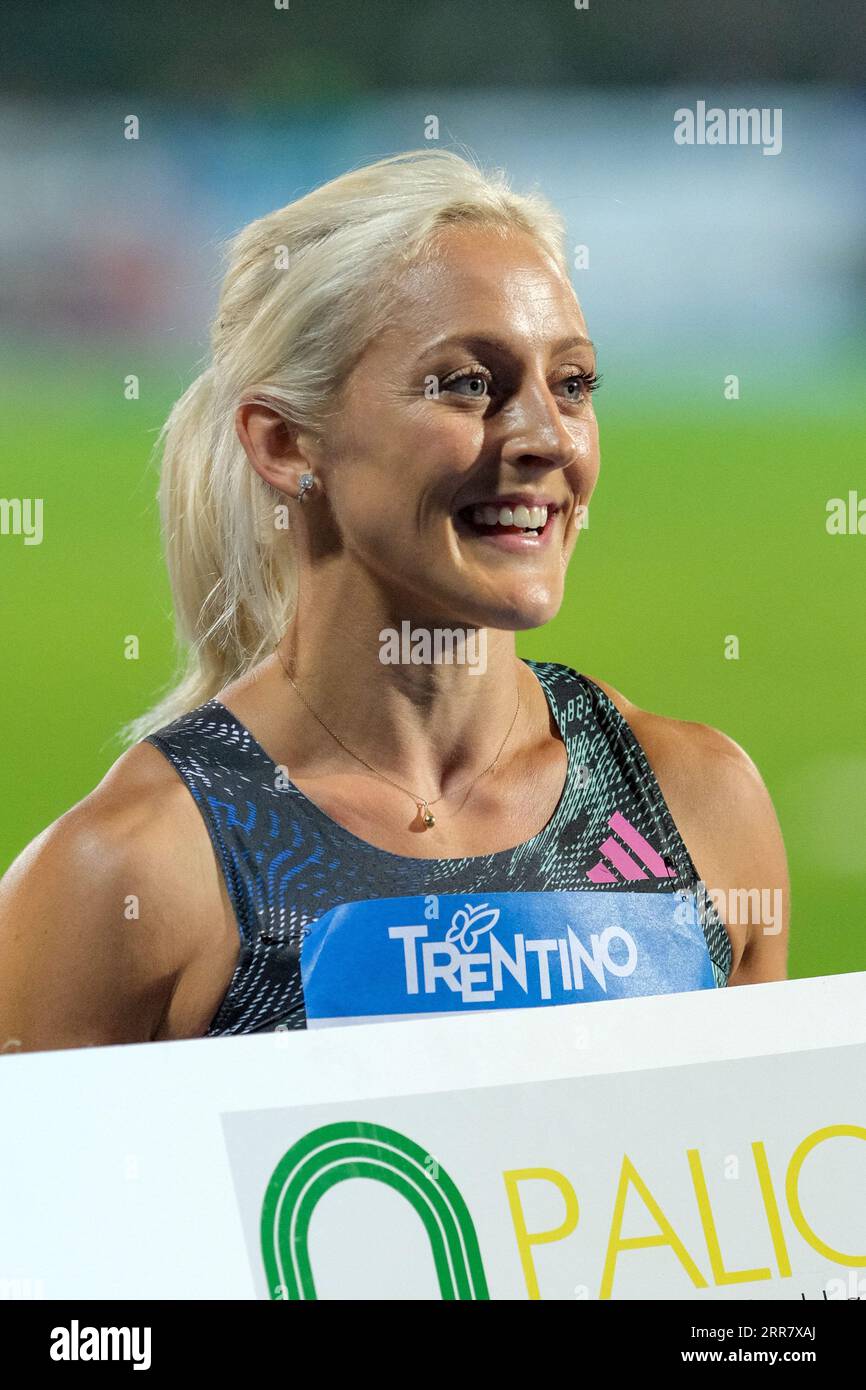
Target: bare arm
x,y
103,913
749,865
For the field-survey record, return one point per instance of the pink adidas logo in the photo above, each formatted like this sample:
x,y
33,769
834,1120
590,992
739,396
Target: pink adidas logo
x,y
625,864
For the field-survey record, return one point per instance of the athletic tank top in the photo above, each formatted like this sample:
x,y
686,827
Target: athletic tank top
x,y
604,902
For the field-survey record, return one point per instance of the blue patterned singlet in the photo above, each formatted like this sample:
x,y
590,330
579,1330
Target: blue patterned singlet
x,y
603,903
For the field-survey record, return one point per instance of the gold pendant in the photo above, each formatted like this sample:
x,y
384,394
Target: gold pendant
x,y
428,817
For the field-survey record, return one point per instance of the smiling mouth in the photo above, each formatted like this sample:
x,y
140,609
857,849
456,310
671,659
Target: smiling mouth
x,y
490,520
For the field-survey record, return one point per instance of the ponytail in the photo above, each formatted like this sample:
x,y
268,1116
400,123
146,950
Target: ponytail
x,y
233,584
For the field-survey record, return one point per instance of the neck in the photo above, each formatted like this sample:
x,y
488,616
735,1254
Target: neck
x,y
386,687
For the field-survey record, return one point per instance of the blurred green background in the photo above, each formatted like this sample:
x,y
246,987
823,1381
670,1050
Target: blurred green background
x,y
709,518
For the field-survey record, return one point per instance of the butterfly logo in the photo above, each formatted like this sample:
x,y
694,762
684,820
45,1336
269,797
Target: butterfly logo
x,y
469,923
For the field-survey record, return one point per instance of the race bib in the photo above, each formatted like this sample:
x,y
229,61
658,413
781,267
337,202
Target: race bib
x,y
394,958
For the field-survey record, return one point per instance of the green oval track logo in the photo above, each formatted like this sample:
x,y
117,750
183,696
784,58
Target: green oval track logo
x,y
353,1149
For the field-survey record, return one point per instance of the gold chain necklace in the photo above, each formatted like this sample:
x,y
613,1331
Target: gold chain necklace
x,y
423,805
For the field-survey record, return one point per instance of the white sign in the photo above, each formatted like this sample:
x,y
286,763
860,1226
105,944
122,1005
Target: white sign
x,y
696,1146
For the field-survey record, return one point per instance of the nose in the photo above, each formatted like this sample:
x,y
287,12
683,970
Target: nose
x,y
535,430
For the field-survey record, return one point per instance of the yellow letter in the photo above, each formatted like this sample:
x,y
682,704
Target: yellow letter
x,y
791,1192
525,1240
619,1242
714,1250
771,1207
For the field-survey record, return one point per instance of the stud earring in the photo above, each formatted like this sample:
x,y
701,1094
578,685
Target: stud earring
x,y
306,483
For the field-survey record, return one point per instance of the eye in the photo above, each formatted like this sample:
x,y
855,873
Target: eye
x,y
471,382
579,385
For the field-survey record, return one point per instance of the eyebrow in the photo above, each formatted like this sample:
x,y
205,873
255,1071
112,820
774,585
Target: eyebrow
x,y
486,340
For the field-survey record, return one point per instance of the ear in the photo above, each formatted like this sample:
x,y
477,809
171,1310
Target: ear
x,y
278,451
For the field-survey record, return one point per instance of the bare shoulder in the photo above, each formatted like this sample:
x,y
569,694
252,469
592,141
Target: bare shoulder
x,y
688,752
105,910
132,822
725,814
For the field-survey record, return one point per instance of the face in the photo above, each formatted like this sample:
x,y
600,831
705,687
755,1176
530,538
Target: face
x,y
465,440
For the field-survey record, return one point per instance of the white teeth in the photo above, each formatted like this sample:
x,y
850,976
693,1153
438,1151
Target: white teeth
x,y
532,517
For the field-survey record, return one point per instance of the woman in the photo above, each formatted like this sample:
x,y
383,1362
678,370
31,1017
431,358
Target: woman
x,y
345,810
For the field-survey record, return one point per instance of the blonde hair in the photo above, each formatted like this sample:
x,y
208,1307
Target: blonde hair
x,y
305,290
